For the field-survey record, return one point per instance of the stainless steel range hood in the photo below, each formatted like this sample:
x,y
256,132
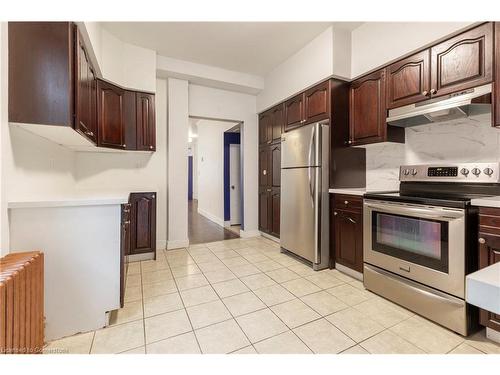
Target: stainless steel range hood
x,y
467,103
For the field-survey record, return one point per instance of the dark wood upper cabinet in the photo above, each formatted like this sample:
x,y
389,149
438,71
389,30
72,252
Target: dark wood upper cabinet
x,y
317,103
496,86
294,112
265,127
146,128
408,80
130,119
462,62
367,109
142,223
277,122
85,91
110,121
41,73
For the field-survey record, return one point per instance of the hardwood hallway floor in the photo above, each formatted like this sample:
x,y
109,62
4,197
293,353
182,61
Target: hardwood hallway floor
x,y
201,229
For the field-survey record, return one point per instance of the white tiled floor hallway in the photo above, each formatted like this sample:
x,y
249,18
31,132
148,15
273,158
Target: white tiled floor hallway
x,y
244,296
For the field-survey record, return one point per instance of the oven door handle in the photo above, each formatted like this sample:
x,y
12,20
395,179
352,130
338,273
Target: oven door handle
x,y
446,215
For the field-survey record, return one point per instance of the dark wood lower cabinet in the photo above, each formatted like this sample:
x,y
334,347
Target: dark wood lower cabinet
x,y
142,223
124,248
489,253
347,230
275,211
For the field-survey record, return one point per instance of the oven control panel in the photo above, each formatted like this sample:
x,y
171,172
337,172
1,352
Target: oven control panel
x,y
464,172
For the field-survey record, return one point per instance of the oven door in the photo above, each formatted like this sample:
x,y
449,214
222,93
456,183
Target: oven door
x,y
422,243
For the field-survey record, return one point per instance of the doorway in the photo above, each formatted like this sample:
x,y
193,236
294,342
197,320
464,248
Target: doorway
x,y
209,159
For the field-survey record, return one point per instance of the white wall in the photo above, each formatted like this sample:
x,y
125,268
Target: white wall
x,y
220,104
377,43
211,168
178,120
311,64
4,232
133,171
465,141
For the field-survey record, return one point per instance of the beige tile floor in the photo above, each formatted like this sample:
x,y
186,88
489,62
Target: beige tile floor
x,y
243,296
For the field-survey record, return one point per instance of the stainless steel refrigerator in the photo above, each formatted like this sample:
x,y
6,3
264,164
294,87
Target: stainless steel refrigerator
x,y
304,221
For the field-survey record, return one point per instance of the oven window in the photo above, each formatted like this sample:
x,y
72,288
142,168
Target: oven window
x,y
420,241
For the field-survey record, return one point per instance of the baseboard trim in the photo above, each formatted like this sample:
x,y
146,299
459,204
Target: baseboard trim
x,y
209,216
161,244
269,237
349,272
177,244
249,233
140,257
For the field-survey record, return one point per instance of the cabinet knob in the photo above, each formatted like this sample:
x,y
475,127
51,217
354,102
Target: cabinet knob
x,y
482,240
433,91
124,145
264,172
153,196
150,147
425,93
335,213
346,202
349,142
126,222
269,189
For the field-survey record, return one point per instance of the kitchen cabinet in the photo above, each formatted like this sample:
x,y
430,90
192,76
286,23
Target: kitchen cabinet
x,y
275,152
264,166
408,80
146,128
462,62
269,188
264,212
294,112
275,212
489,253
277,122
317,103
41,73
347,231
142,223
265,127
52,81
85,92
110,120
368,111
124,249
310,106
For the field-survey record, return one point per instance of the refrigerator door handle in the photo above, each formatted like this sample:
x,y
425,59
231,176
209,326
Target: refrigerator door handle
x,y
311,145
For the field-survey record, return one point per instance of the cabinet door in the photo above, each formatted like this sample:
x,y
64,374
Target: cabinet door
x,y
264,207
349,239
265,127
367,113
276,165
317,103
277,122
111,127
408,80
275,212
489,253
85,92
264,166
463,62
146,128
294,112
142,223
130,120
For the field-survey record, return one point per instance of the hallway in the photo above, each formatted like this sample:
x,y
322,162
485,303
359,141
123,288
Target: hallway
x,y
201,229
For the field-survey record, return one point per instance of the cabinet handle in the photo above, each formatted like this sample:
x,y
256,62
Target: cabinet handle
x,y
264,172
433,91
126,222
351,220
482,240
268,189
126,210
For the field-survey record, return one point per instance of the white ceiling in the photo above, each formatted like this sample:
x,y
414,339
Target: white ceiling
x,y
249,47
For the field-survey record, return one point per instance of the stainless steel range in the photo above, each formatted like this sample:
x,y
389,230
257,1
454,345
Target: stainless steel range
x,y
420,243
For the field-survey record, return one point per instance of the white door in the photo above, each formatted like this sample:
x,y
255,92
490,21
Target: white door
x,y
234,184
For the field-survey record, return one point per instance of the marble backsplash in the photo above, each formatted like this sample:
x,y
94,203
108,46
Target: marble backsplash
x,y
466,140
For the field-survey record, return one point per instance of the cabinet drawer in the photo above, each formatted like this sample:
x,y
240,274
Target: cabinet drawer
x,y
349,202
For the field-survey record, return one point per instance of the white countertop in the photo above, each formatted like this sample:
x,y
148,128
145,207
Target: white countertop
x,y
351,191
482,288
486,202
78,198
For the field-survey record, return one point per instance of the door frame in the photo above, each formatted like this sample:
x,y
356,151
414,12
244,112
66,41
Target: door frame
x,y
231,138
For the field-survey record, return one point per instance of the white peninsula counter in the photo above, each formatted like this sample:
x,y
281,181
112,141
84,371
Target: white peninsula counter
x,y
80,237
